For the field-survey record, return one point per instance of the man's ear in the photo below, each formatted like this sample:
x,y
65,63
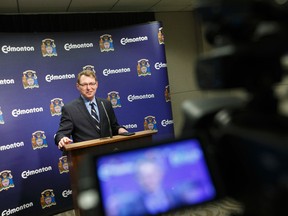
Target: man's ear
x,y
77,86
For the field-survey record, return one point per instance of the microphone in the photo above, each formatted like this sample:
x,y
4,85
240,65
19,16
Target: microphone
x,y
110,130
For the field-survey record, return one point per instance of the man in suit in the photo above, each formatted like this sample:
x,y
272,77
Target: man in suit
x,y
85,118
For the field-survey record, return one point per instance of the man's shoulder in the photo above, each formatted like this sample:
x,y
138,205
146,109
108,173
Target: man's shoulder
x,y
73,103
102,100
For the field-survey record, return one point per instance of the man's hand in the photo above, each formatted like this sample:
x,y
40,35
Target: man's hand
x,y
122,130
64,141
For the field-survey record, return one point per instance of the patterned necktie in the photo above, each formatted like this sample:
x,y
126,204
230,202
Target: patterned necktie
x,y
95,116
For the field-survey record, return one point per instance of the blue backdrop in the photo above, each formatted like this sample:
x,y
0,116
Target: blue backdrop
x,y
38,76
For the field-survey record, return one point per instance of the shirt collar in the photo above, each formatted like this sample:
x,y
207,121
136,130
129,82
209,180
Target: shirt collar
x,y
87,101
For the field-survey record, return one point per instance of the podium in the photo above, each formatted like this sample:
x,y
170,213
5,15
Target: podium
x,y
76,152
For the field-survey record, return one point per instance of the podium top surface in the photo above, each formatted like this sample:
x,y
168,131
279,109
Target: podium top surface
x,y
107,140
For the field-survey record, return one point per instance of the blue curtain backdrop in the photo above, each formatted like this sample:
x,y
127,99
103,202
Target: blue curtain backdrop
x,y
38,76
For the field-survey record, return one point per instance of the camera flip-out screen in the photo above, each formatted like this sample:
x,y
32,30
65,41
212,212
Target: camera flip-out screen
x,y
154,180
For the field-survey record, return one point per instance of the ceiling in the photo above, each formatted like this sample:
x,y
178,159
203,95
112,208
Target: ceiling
x,y
89,6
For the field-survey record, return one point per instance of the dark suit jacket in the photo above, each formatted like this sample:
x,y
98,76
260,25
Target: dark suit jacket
x,y
77,122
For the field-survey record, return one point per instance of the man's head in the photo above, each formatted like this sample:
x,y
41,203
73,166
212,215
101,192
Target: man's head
x,y
87,84
149,175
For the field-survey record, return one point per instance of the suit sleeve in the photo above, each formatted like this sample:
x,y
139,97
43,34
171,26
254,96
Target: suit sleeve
x,y
65,126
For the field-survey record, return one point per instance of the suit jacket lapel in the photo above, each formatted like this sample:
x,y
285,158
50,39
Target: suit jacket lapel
x,y
101,112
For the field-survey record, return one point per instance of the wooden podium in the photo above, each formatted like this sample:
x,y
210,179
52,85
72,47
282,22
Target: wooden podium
x,y
76,151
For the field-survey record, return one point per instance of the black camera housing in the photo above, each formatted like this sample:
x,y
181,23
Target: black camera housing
x,y
248,137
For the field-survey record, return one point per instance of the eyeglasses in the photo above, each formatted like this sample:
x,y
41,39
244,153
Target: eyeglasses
x,y
88,84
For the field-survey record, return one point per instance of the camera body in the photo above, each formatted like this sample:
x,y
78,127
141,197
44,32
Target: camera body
x,y
248,137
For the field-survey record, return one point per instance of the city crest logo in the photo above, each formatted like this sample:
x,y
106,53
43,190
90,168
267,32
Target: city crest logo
x,y
48,48
63,165
161,36
6,180
150,123
114,98
39,140
1,117
143,67
29,79
56,106
47,198
89,67
106,43
167,93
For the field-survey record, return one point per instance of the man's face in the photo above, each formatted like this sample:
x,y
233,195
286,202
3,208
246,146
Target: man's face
x,y
150,176
87,87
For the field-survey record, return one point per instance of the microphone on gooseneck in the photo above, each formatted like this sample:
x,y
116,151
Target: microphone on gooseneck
x,y
110,130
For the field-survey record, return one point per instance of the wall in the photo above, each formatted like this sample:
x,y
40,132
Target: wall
x,y
181,52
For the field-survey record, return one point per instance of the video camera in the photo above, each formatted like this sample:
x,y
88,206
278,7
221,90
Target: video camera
x,y
248,137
